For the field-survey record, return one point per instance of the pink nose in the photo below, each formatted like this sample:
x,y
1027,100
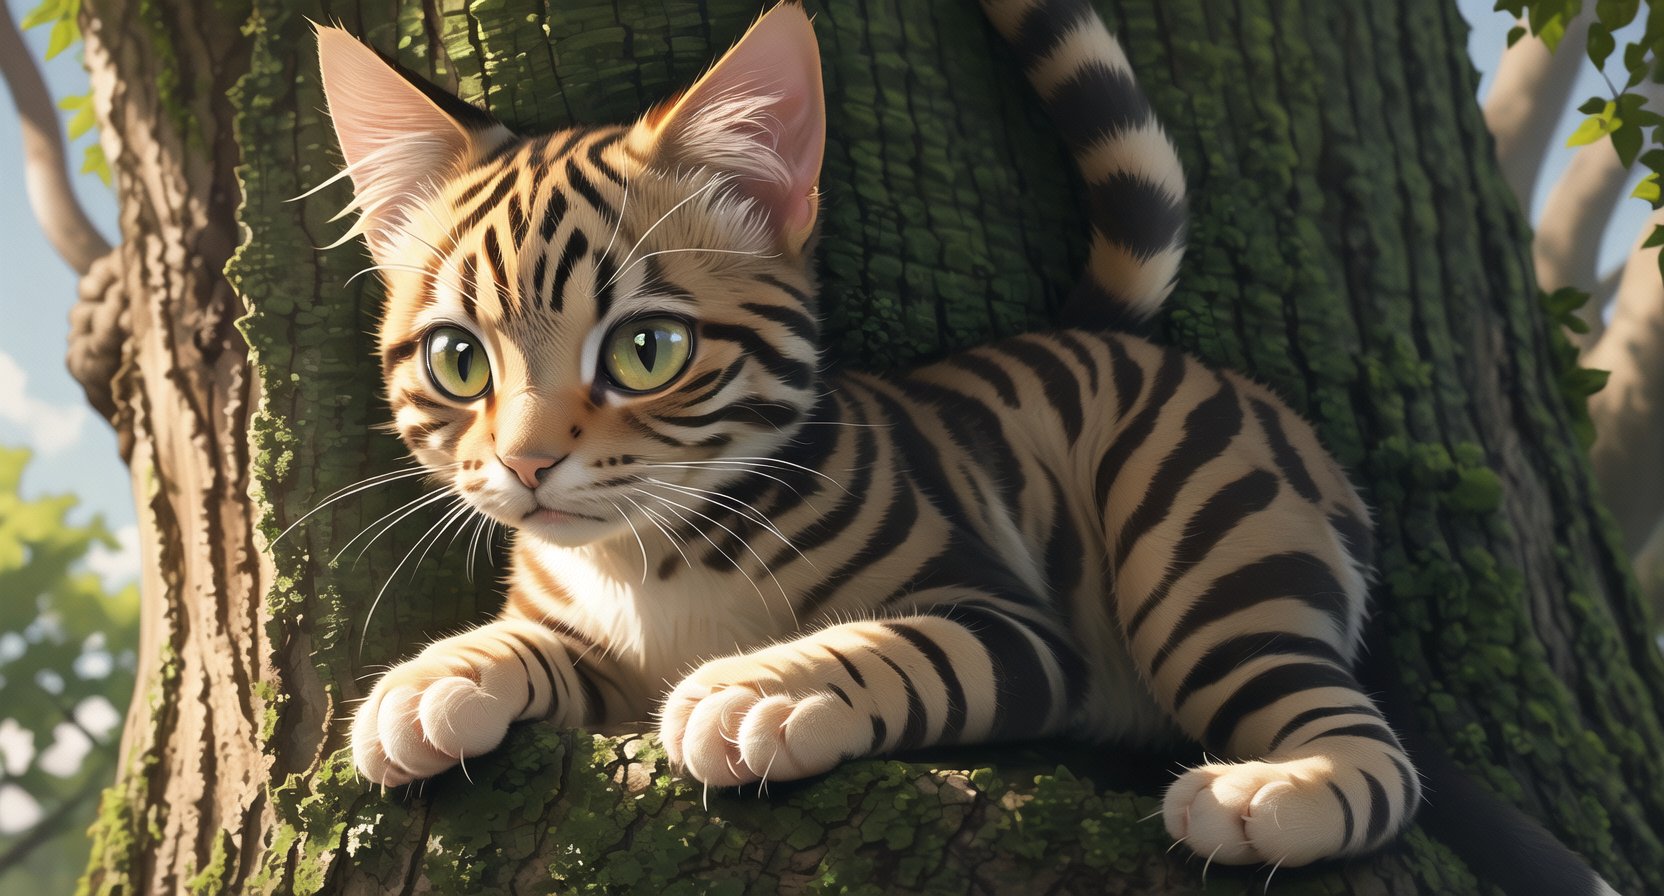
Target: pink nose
x,y
529,467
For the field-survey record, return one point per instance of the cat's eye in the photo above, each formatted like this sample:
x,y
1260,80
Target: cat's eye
x,y
646,353
457,364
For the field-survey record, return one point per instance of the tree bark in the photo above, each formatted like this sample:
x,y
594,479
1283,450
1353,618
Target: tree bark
x,y
1353,245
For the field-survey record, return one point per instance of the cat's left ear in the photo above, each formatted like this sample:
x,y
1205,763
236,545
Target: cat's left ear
x,y
759,115
401,136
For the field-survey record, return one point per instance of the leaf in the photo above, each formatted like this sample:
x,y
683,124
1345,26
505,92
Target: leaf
x,y
1592,105
1600,44
47,11
83,121
1515,33
1648,190
95,163
1654,239
1595,126
64,34
1635,62
1626,139
1615,14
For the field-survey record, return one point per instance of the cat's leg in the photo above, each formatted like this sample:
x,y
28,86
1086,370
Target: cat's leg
x,y
456,699
1239,552
974,668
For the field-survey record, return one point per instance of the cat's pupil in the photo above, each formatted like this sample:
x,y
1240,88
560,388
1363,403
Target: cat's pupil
x,y
464,360
647,348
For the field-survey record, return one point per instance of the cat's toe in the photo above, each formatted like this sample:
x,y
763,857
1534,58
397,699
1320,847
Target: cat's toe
x,y
709,742
784,739
460,718
1257,812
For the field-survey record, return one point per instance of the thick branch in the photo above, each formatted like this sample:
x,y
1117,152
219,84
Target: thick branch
x,y
1629,413
1522,111
44,172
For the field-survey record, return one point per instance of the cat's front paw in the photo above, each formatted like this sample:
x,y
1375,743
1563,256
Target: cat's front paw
x,y
1288,813
732,722
425,716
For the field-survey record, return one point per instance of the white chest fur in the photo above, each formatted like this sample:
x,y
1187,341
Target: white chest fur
x,y
661,628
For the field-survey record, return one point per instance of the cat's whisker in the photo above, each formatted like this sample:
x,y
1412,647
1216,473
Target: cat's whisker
x,y
672,507
750,513
655,518
639,542
432,276
437,527
358,487
747,545
766,461
692,249
397,516
714,183
747,471
474,543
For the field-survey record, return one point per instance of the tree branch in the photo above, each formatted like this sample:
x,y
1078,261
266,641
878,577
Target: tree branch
x,y
45,175
1629,413
1527,96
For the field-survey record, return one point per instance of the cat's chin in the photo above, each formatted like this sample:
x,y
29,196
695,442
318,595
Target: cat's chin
x,y
567,530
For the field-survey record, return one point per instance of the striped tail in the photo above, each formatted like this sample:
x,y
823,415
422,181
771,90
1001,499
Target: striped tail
x,y
1134,181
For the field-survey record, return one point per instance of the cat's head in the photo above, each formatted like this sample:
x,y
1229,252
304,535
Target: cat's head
x,y
570,315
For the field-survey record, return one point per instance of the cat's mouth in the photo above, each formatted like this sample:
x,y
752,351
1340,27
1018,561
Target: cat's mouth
x,y
551,516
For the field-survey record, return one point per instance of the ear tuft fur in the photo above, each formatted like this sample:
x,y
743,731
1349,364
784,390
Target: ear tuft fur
x,y
401,137
759,115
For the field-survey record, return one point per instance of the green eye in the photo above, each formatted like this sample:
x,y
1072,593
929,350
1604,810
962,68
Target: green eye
x,y
457,364
646,353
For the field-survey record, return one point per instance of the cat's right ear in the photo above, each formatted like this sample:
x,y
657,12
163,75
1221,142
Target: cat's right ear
x,y
401,137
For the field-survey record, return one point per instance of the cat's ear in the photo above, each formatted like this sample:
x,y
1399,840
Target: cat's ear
x,y
400,135
759,114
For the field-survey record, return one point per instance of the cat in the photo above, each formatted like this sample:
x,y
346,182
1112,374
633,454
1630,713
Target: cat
x,y
606,339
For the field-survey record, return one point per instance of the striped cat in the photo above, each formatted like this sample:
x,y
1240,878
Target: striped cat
x,y
606,339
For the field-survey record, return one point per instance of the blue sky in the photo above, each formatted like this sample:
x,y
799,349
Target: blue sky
x,y
75,451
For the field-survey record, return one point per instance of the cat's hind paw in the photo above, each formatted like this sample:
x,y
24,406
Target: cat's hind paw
x,y
1287,813
740,733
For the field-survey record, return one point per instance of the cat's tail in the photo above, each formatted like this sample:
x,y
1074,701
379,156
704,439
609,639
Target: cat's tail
x,y
1134,181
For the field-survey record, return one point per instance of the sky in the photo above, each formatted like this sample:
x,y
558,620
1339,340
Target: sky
x,y
41,406
75,451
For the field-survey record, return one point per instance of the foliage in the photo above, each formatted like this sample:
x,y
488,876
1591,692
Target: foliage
x,y
1623,115
65,18
61,655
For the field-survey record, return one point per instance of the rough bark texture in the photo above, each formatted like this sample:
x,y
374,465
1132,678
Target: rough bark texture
x,y
1354,245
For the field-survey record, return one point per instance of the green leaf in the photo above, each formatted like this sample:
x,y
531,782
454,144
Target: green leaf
x,y
95,163
1551,32
1595,126
1654,239
1648,190
1615,14
1635,62
64,34
1653,159
47,11
1515,33
1593,105
83,121
1600,44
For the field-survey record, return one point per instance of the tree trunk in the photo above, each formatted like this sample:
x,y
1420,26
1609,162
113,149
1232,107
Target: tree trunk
x,y
1353,245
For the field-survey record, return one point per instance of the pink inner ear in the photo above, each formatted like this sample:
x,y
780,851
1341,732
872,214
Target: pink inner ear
x,y
395,139
760,113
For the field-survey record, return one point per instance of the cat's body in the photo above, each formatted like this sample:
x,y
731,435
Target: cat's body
x,y
607,339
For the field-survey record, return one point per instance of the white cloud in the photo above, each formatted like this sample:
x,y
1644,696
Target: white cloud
x,y
51,428
120,566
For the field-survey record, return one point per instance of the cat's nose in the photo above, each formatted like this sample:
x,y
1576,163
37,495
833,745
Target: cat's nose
x,y
530,467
